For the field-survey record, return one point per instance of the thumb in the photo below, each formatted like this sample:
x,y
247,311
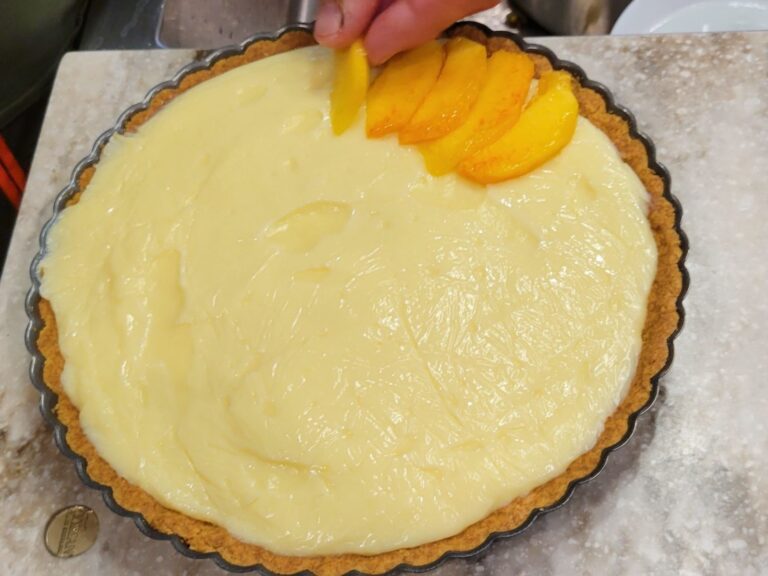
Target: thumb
x,y
341,22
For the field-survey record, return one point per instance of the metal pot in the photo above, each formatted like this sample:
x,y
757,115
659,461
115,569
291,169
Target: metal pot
x,y
573,17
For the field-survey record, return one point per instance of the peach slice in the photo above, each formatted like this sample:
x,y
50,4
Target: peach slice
x,y
451,99
401,87
555,80
497,108
545,127
350,86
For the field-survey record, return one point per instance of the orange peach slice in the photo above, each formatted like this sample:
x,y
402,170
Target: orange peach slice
x,y
498,107
401,87
451,99
350,86
545,127
556,80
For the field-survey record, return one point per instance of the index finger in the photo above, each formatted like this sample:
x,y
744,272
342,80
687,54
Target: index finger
x,y
408,23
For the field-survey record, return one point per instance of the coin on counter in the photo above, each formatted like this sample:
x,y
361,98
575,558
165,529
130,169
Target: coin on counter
x,y
71,531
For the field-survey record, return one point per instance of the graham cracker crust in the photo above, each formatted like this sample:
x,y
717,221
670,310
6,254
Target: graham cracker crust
x,y
662,322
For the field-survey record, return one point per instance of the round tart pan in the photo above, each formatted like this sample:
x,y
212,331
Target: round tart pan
x,y
199,539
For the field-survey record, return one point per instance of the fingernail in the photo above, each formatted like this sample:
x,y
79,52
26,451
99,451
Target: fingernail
x,y
329,19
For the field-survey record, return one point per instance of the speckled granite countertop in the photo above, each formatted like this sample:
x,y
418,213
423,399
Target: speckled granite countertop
x,y
688,495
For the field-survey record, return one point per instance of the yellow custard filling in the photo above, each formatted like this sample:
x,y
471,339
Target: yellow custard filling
x,y
311,342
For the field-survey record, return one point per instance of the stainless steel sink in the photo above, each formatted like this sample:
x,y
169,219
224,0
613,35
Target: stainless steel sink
x,y
206,24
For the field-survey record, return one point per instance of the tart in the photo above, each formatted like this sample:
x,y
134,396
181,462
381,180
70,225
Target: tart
x,y
174,510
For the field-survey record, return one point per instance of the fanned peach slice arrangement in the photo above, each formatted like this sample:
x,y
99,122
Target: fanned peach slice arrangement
x,y
402,86
545,127
498,107
453,95
465,112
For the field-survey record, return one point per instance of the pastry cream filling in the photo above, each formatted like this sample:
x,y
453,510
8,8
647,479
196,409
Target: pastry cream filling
x,y
310,341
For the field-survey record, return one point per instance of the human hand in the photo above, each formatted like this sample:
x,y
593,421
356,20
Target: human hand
x,y
389,26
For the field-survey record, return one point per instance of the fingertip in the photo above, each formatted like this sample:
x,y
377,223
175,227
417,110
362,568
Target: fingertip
x,y
381,44
377,54
401,26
